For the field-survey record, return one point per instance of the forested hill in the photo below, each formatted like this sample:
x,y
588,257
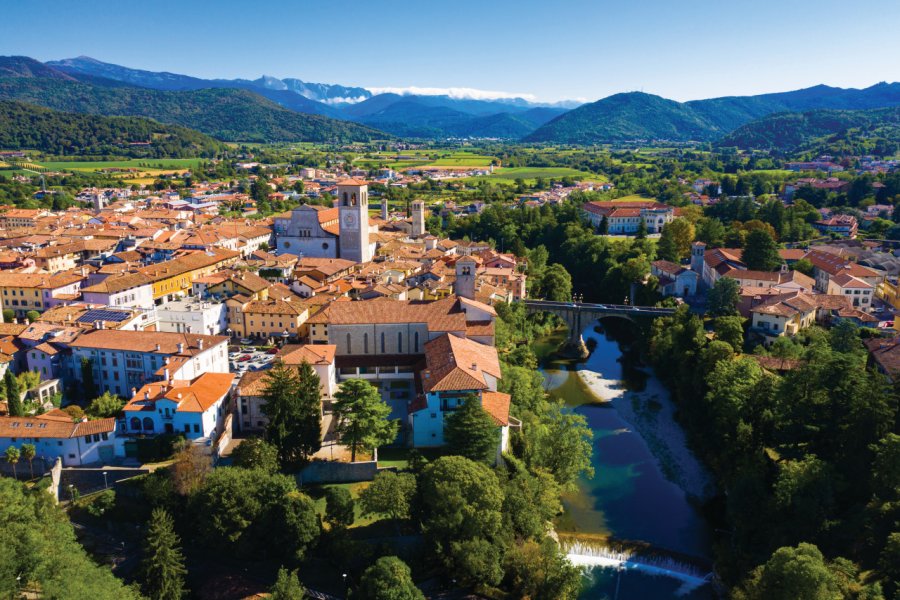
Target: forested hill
x,y
833,131
640,116
629,116
227,114
26,126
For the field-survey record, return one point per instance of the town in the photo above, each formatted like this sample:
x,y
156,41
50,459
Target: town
x,y
395,303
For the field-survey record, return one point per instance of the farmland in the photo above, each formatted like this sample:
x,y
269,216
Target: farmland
x,y
531,173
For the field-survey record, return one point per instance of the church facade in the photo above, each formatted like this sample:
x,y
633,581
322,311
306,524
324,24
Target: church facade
x,y
338,232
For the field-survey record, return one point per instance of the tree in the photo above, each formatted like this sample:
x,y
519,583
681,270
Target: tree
x,y
361,416
556,283
390,494
723,297
254,513
8,315
287,586
34,535
730,330
804,266
339,507
761,251
88,387
190,468
462,503
799,573
256,453
537,569
32,316
106,405
603,228
12,458
471,432
560,443
28,453
13,395
293,406
641,230
388,579
675,240
74,411
163,565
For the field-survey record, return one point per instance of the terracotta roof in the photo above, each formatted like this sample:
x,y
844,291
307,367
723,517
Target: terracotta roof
x,y
147,341
189,396
351,181
52,426
885,352
454,363
253,383
497,405
440,315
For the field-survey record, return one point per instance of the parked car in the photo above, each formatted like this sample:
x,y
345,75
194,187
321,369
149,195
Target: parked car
x,y
246,341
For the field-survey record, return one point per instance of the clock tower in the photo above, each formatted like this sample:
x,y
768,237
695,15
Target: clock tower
x,y
353,206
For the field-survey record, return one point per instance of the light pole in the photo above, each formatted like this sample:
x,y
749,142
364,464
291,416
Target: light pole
x,y
105,482
284,337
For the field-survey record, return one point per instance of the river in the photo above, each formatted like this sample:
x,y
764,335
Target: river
x,y
647,486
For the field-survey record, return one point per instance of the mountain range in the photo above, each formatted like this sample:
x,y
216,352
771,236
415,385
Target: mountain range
x,y
272,109
641,116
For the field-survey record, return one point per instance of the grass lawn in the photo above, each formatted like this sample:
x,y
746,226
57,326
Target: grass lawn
x,y
399,457
317,493
462,159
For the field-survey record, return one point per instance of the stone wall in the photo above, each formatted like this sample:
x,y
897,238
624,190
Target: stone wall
x,y
321,471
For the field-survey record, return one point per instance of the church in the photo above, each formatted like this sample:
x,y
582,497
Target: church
x,y
339,232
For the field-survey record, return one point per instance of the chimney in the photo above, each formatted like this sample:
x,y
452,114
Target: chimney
x,y
474,366
97,325
166,375
146,394
133,392
200,344
180,347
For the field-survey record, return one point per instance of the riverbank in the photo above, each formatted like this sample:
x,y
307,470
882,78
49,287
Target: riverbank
x,y
650,411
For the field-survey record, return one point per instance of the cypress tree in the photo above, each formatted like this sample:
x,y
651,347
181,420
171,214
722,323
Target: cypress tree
x,y
163,565
13,395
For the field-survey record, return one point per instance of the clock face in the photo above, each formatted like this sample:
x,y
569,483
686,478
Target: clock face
x,y
350,220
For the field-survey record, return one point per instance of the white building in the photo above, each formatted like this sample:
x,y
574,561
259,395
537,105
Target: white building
x,y
128,290
193,316
196,408
123,360
54,435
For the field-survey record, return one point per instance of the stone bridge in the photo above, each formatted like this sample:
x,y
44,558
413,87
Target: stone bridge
x,y
578,314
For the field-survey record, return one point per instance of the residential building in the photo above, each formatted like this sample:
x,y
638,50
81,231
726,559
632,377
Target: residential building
x,y
196,408
624,217
674,279
54,435
192,315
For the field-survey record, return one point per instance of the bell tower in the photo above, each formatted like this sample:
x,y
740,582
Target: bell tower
x,y
418,218
353,208
464,286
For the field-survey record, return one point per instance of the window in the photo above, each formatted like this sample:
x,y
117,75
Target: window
x,y
135,424
382,342
196,428
349,345
416,340
400,342
365,343
187,428
148,424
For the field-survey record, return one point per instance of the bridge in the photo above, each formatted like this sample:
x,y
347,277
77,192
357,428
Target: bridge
x,y
578,314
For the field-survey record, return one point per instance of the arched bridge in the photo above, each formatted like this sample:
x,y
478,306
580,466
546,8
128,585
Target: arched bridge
x,y
578,314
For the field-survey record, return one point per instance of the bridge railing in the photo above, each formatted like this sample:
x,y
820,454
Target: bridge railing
x,y
552,304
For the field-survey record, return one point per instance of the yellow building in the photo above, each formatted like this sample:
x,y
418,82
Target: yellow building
x,y
783,315
174,278
23,292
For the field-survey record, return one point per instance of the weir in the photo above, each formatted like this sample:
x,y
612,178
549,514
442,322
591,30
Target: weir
x,y
583,554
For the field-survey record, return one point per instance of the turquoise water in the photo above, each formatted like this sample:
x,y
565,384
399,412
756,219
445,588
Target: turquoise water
x,y
629,497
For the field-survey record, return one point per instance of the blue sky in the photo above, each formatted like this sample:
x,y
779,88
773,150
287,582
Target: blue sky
x,y
548,50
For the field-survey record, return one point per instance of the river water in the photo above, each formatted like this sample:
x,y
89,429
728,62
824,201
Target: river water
x,y
647,485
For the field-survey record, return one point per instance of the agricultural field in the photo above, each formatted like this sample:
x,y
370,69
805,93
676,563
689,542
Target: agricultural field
x,y
162,164
529,174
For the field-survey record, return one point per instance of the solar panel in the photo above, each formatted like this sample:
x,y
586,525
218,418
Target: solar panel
x,y
102,314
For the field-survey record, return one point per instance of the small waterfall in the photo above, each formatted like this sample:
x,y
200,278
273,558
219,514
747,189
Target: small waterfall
x,y
584,554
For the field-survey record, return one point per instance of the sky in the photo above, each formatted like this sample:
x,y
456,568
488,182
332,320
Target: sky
x,y
537,49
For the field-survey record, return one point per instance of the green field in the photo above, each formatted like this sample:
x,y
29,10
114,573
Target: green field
x,y
462,159
509,175
138,163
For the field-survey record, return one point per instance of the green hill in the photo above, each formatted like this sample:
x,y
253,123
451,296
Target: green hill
x,y
26,126
225,113
631,116
826,131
